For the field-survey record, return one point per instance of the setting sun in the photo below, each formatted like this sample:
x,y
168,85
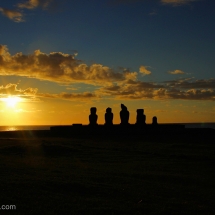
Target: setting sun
x,y
11,101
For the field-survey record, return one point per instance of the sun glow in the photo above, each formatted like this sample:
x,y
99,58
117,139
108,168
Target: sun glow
x,y
11,101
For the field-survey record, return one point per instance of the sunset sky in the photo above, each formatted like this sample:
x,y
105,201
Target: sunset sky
x,y
59,58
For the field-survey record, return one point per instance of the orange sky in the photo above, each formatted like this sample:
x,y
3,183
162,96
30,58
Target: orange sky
x,y
57,112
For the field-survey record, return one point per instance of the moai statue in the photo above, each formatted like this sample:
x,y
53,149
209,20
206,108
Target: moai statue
x,y
124,115
108,117
141,118
154,120
93,116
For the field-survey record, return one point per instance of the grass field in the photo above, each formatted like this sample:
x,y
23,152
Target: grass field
x,y
112,176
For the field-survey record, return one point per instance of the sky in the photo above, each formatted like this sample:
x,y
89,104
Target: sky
x,y
60,58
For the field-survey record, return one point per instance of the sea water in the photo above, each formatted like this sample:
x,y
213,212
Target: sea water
x,y
47,127
24,127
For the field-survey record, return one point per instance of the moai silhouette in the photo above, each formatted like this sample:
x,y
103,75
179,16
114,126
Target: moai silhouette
x,y
141,118
124,115
154,120
108,117
93,116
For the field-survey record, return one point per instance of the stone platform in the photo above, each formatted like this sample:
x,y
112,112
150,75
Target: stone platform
x,y
131,128
82,130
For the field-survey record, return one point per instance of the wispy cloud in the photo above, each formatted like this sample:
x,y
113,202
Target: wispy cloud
x,y
72,88
144,70
18,16
12,90
70,96
191,84
32,4
29,93
14,15
167,2
176,2
176,72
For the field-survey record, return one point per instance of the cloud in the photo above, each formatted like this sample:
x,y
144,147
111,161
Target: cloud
x,y
70,96
126,92
167,2
176,2
11,89
191,84
14,15
3,50
176,72
144,71
185,90
32,4
191,94
117,84
59,67
72,88
130,90
29,93
17,16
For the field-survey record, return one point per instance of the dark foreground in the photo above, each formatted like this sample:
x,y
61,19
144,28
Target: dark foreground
x,y
155,173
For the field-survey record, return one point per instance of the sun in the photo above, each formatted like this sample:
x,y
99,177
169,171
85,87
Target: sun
x,y
12,101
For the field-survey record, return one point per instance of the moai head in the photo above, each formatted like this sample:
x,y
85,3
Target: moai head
x,y
140,111
108,110
93,110
123,107
154,120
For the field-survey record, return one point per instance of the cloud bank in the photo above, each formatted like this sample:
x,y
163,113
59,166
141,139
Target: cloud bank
x,y
121,84
59,67
177,89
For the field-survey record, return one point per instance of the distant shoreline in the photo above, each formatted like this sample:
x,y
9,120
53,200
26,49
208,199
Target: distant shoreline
x,y
47,127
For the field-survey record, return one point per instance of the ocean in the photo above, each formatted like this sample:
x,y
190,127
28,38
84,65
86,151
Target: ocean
x,y
47,127
24,127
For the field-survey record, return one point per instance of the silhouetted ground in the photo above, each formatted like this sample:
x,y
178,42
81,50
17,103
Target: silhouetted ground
x,y
42,173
